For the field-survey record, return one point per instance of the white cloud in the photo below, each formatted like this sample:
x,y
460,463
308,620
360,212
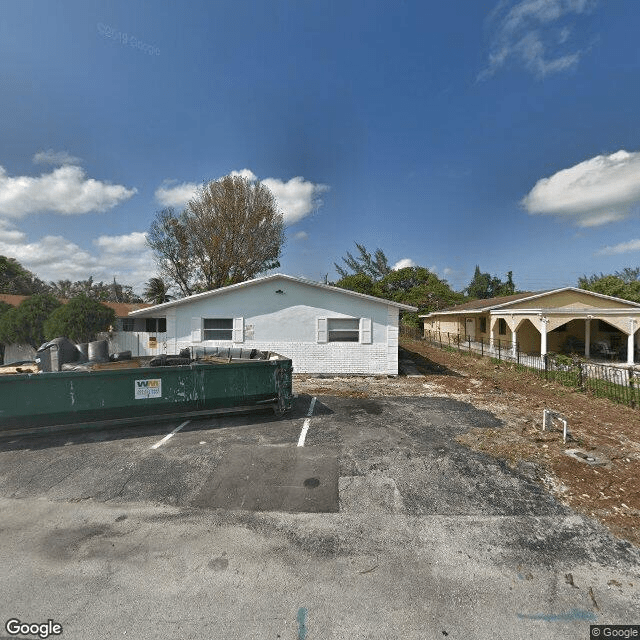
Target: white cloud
x,y
296,198
54,258
594,192
175,196
55,157
65,190
623,247
245,173
525,32
402,264
8,235
300,235
135,241
447,271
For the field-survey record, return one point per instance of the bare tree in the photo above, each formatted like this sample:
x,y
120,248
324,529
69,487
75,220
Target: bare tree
x,y
230,232
169,240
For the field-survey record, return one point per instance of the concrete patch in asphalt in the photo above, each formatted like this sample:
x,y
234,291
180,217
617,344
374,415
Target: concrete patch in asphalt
x,y
273,479
370,494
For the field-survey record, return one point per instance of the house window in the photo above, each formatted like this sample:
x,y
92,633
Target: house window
x,y
218,328
483,325
127,324
155,325
502,327
344,329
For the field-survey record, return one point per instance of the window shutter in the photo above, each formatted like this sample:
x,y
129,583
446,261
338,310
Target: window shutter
x,y
238,329
321,332
365,330
196,329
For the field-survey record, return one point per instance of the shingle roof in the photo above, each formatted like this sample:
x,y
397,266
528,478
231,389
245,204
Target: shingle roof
x,y
503,301
488,303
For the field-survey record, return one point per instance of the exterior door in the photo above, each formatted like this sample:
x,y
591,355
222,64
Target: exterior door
x,y
470,328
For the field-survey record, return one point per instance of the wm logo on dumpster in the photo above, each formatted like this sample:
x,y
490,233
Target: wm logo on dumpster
x,y
148,389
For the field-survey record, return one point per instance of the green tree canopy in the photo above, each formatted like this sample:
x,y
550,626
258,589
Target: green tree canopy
x,y
24,324
359,282
420,288
114,292
16,280
416,286
4,307
484,285
80,320
156,291
623,284
374,266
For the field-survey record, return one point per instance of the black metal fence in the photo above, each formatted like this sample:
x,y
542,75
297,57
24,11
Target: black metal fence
x,y
618,383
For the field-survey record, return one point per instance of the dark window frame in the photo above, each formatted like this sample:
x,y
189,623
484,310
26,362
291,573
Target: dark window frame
x,y
219,332
342,334
127,324
156,325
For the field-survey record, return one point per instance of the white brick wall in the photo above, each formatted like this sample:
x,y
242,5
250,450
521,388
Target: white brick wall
x,y
328,358
286,315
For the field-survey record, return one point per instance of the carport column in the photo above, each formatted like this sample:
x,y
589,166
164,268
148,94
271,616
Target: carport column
x,y
631,341
587,337
543,336
492,322
514,339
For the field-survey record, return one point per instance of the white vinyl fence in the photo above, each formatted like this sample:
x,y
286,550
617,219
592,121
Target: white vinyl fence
x,y
140,343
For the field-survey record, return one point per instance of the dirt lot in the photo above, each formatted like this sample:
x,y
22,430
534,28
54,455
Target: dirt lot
x,y
607,488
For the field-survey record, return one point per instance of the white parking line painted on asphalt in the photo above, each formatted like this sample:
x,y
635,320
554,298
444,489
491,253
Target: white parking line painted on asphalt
x,y
170,435
306,423
311,406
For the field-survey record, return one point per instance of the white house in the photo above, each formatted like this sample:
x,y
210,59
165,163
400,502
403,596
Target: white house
x,y
323,329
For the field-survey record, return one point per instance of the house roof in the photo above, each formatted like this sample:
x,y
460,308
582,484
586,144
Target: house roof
x,y
122,309
10,298
488,304
263,279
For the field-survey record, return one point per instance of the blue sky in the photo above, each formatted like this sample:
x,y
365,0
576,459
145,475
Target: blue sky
x,y
449,134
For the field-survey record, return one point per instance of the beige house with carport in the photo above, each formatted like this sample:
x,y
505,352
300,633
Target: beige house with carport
x,y
560,320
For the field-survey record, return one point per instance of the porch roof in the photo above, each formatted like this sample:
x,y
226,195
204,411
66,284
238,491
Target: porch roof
x,y
502,302
481,306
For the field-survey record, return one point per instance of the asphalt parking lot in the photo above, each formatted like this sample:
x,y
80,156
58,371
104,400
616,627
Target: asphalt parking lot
x,y
379,526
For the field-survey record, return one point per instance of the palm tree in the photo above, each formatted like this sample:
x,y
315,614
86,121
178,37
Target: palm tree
x,y
157,291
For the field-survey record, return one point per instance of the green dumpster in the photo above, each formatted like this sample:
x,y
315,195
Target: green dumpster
x,y
46,400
